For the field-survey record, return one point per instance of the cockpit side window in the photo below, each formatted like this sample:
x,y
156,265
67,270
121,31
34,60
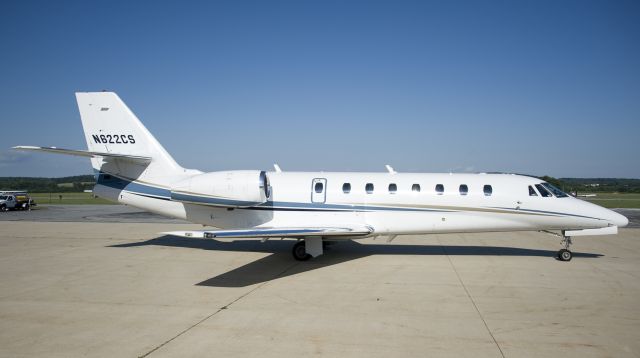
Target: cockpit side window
x,y
557,192
543,192
532,191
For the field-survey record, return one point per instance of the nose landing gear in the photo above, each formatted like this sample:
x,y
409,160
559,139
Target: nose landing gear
x,y
564,254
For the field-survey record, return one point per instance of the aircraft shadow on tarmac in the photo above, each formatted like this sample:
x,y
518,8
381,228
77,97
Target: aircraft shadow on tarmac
x,y
281,264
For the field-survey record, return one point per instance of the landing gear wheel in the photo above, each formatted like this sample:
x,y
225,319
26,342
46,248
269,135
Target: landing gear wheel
x,y
300,252
564,255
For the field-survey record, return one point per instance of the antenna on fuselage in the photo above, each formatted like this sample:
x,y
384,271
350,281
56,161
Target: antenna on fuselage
x,y
277,168
390,169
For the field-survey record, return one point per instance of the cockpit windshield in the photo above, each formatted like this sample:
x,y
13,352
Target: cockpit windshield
x,y
543,192
557,192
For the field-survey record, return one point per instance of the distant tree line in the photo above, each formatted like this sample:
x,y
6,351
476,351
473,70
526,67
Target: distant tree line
x,y
76,183
598,185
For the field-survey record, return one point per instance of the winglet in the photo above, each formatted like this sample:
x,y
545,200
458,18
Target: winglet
x,y
277,168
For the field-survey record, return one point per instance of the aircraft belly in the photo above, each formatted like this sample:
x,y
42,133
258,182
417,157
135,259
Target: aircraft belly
x,y
443,222
154,205
316,218
227,218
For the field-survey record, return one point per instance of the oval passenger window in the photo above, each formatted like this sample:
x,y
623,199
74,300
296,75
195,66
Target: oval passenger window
x,y
369,188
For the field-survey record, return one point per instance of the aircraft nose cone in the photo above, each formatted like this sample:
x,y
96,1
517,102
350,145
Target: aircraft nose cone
x,y
618,219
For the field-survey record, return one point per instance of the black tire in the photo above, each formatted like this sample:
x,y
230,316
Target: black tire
x,y
3,208
299,251
565,255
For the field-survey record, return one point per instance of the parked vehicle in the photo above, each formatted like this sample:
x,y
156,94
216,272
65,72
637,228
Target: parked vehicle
x,y
15,200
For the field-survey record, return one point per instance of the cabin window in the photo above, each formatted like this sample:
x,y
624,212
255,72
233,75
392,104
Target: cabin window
x,y
415,187
532,192
369,188
393,188
319,187
346,188
543,192
439,189
488,190
464,189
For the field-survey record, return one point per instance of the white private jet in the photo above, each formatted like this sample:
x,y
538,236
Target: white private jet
x,y
132,168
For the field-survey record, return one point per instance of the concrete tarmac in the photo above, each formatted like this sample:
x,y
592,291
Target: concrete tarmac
x,y
111,286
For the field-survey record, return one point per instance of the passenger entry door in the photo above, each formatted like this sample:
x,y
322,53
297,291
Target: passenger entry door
x,y
318,190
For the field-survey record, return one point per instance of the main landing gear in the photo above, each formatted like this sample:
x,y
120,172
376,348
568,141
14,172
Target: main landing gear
x,y
310,247
300,251
564,254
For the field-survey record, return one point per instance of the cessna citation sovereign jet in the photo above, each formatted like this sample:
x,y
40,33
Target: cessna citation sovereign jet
x,y
132,168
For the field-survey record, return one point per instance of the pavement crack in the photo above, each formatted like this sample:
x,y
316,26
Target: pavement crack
x,y
472,301
223,308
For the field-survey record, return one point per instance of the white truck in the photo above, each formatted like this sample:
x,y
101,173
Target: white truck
x,y
15,200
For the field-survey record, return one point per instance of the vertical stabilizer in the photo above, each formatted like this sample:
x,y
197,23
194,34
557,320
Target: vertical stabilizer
x,y
110,126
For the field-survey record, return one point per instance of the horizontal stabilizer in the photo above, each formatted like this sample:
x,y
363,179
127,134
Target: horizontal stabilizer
x,y
84,153
274,232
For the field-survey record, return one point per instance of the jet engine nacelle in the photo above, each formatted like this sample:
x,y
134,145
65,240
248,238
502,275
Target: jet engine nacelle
x,y
235,189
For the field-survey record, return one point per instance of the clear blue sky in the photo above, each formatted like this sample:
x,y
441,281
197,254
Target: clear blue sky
x,y
540,87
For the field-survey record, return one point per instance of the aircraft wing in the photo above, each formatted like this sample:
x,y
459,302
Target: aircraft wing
x,y
290,232
84,153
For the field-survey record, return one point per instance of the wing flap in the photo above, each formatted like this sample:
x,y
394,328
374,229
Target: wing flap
x,y
275,232
83,153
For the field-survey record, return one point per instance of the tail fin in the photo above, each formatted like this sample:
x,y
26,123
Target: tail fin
x,y
110,127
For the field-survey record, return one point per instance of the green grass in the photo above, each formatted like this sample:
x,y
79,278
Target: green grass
x,y
67,199
616,200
